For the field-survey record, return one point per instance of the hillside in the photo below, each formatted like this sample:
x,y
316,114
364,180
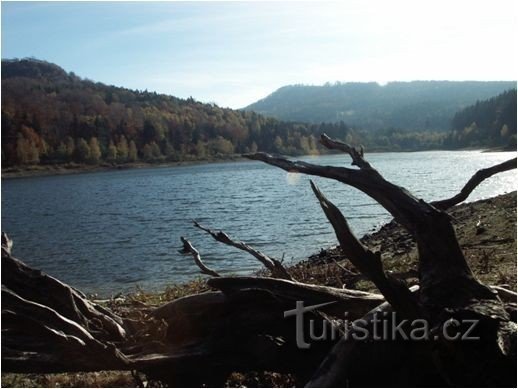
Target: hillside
x,y
416,105
50,116
489,122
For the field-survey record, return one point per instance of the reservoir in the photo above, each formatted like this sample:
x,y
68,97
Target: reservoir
x,y
107,232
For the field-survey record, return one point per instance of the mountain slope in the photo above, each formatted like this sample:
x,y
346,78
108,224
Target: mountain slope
x,y
489,122
50,116
416,105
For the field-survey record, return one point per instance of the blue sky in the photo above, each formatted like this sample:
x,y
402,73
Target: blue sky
x,y
235,53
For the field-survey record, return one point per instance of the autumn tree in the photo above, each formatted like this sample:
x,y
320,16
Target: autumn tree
x,y
69,148
122,149
111,152
147,153
95,150
82,150
22,150
132,152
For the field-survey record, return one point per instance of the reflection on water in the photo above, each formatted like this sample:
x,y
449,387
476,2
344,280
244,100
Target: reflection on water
x,y
106,232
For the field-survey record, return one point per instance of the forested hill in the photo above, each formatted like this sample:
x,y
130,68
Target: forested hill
x,y
416,105
50,116
490,122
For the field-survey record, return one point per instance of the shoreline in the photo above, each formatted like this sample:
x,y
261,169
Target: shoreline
x,y
73,168
16,172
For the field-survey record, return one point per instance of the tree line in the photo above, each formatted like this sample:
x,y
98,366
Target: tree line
x,y
50,116
489,122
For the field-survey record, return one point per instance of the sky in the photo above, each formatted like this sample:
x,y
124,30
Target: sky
x,y
235,53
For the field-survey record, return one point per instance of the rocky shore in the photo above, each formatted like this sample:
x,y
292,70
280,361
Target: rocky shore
x,y
486,230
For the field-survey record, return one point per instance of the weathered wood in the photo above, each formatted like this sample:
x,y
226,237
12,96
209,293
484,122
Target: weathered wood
x,y
38,287
367,262
189,248
38,339
448,288
505,294
351,362
272,264
239,329
355,303
441,261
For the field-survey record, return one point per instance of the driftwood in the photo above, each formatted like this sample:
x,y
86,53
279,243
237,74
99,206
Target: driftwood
x,y
448,289
189,248
275,266
249,323
48,326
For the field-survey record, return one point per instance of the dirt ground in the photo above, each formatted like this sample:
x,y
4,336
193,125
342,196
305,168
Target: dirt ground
x,y
486,230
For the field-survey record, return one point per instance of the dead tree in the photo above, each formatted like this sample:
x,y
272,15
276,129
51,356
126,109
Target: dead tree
x,y
239,325
448,288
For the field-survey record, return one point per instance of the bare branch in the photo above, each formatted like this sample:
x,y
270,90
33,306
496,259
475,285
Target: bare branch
x,y
7,244
189,248
356,303
505,294
473,182
356,155
272,264
440,257
367,262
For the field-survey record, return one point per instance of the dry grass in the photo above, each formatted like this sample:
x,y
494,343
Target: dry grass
x,y
103,379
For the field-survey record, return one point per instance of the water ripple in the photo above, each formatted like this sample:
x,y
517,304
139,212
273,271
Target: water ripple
x,y
106,232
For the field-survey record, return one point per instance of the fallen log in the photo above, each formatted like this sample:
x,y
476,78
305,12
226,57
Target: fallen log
x,y
38,287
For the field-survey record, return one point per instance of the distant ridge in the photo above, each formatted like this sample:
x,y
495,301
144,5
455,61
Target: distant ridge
x,y
414,105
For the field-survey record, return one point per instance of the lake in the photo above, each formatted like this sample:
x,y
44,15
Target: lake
x,y
108,232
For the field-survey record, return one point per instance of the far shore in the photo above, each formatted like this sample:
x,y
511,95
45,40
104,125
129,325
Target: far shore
x,y
76,168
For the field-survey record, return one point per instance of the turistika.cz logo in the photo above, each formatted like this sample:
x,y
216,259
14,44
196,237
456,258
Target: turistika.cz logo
x,y
380,325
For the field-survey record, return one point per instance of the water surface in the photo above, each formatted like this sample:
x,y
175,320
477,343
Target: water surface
x,y
106,232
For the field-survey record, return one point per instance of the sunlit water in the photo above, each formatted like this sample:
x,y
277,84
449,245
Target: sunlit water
x,y
108,232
